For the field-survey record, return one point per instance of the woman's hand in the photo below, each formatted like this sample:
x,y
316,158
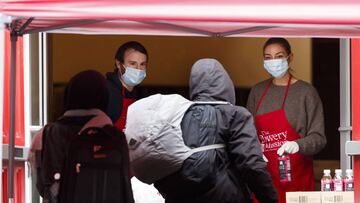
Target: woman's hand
x,y
289,148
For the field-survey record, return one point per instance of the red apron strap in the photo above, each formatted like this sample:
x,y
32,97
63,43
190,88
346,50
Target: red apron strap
x,y
267,88
262,96
286,92
126,102
123,91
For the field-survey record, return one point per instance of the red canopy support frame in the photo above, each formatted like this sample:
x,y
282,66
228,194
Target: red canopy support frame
x,y
66,25
178,27
16,31
245,30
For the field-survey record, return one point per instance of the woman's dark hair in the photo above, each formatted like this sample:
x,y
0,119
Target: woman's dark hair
x,y
130,45
281,41
86,90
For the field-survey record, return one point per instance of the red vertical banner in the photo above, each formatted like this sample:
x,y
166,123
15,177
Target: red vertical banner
x,y
6,90
19,103
19,180
19,173
4,185
355,100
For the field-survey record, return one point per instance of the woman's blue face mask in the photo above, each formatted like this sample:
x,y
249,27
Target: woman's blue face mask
x,y
276,67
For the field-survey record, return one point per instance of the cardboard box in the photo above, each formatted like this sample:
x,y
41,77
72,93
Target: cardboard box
x,y
337,197
320,197
303,197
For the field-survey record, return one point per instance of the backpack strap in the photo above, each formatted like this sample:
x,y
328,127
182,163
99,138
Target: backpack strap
x,y
212,103
99,121
43,135
207,147
212,146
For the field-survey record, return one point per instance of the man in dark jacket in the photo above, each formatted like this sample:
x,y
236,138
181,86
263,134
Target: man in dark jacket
x,y
130,69
227,175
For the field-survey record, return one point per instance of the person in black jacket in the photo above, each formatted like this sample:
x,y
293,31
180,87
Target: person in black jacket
x,y
227,175
130,70
85,102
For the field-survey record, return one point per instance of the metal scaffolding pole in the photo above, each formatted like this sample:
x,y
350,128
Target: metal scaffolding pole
x,y
345,128
16,31
14,37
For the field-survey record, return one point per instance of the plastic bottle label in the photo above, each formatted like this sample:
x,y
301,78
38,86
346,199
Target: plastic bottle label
x,y
349,185
338,186
325,185
284,169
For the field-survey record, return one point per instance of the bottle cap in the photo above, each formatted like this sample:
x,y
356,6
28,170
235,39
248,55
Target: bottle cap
x,y
349,172
326,171
338,171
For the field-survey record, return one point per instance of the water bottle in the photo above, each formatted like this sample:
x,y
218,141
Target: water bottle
x,y
326,181
284,168
349,180
338,181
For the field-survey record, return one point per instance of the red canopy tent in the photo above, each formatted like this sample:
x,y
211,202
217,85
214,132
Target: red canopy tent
x,y
233,18
301,18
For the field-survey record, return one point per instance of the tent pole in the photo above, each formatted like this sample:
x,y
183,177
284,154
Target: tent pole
x,y
345,128
244,30
14,37
62,26
177,27
27,23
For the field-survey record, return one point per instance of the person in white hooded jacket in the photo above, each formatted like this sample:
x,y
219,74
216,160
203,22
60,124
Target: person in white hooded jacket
x,y
227,175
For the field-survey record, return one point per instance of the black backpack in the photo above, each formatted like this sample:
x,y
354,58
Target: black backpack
x,y
69,127
96,168
103,173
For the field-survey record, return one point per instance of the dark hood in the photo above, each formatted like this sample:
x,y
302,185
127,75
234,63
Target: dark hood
x,y
86,90
210,82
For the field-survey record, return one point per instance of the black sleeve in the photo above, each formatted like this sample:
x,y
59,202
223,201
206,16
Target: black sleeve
x,y
115,101
246,155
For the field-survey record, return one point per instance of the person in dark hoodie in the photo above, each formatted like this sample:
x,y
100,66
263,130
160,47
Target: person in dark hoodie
x,y
226,175
85,102
130,70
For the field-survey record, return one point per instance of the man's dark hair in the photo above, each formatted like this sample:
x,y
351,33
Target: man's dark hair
x,y
130,45
281,41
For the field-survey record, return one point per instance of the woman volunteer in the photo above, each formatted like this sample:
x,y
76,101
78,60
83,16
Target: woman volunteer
x,y
289,119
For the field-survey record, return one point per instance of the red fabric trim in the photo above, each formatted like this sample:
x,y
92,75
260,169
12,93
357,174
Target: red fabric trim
x,y
355,97
19,103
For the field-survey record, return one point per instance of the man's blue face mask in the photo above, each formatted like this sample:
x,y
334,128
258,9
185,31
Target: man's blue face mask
x,y
276,67
133,76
